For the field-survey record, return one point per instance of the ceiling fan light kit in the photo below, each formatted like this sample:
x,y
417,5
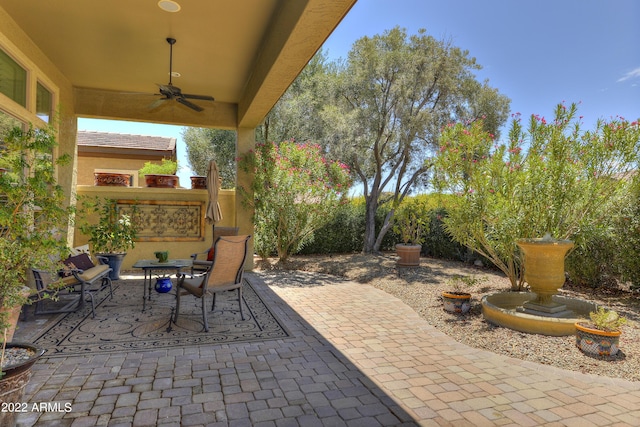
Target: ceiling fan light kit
x,y
169,91
169,6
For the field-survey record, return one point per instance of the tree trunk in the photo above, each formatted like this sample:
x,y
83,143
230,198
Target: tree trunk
x,y
383,231
370,225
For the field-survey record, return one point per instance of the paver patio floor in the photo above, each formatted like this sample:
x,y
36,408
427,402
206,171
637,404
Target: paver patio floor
x,y
356,357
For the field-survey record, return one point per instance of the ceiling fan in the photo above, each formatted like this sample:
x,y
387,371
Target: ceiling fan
x,y
169,91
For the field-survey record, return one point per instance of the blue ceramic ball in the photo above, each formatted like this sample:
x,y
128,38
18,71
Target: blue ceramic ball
x,y
163,285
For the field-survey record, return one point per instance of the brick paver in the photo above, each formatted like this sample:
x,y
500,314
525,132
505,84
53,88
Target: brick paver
x,y
356,357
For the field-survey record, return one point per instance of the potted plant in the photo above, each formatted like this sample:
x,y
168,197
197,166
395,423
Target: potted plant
x,y
112,235
601,335
411,223
33,218
458,300
160,175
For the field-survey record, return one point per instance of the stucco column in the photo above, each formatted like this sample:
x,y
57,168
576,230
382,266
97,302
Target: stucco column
x,y
246,143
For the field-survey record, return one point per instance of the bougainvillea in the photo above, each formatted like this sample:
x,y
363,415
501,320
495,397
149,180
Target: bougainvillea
x,y
294,189
553,178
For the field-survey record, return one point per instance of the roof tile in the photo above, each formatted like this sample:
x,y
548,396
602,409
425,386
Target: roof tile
x,y
121,140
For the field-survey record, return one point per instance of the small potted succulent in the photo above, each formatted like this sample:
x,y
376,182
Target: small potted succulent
x,y
112,235
600,335
457,299
411,223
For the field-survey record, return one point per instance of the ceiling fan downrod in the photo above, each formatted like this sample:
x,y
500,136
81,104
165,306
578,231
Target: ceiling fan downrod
x,y
171,42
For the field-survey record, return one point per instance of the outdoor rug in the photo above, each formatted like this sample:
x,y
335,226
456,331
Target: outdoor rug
x,y
120,324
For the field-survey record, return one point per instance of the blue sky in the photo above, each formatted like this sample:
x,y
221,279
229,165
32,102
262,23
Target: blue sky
x,y
536,53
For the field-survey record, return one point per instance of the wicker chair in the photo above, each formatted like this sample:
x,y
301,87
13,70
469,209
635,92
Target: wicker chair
x,y
225,274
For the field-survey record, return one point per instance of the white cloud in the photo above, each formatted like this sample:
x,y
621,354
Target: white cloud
x,y
630,75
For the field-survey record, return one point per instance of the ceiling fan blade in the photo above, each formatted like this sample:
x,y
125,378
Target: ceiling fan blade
x,y
191,105
169,91
202,97
157,103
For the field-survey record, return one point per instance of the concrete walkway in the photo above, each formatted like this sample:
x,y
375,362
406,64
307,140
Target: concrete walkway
x,y
356,357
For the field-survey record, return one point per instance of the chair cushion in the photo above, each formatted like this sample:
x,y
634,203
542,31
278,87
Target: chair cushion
x,y
87,275
210,253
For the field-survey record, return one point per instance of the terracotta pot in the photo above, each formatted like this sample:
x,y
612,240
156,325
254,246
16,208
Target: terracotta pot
x,y
456,302
161,181
104,179
199,182
409,255
595,342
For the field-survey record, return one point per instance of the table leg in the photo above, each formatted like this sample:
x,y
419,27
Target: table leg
x,y
144,290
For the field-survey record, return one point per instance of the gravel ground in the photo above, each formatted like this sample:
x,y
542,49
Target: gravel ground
x,y
420,288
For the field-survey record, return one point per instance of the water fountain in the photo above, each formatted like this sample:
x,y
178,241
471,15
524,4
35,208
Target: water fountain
x,y
540,311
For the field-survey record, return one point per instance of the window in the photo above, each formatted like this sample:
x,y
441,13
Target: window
x,y
44,103
13,79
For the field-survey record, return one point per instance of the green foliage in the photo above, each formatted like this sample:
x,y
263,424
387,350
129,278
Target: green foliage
x,y
458,283
204,145
33,216
607,320
341,234
438,243
167,167
411,220
293,194
553,178
344,231
608,252
113,233
304,99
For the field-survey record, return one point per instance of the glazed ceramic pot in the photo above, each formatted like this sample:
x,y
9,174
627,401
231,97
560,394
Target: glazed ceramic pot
x,y
161,181
104,179
198,182
163,285
456,302
596,342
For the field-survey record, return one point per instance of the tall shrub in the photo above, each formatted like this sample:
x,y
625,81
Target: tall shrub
x,y
552,178
295,190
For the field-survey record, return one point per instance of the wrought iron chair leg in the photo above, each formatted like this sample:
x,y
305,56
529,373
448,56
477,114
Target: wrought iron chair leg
x,y
93,304
175,316
204,312
240,302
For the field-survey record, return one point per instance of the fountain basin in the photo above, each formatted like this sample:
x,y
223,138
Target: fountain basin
x,y
502,309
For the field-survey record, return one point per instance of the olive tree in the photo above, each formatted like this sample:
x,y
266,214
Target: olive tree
x,y
392,96
205,144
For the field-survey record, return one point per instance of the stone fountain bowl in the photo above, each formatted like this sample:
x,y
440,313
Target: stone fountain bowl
x,y
502,309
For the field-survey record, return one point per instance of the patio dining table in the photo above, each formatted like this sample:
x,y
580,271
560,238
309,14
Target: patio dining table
x,y
149,266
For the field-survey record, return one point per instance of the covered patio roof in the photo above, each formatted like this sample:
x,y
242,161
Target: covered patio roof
x,y
114,53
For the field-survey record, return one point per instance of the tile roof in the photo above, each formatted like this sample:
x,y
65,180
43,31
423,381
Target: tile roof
x,y
121,140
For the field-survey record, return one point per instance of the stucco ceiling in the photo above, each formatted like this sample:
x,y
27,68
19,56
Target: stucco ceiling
x,y
244,53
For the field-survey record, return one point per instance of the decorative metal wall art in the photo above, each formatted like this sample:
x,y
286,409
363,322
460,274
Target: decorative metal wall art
x,y
162,221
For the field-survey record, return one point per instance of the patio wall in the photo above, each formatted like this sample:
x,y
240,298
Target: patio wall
x,y
179,246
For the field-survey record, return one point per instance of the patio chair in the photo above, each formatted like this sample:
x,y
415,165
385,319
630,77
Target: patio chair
x,y
224,274
202,260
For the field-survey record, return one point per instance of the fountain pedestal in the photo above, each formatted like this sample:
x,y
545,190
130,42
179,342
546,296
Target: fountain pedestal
x,y
544,272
